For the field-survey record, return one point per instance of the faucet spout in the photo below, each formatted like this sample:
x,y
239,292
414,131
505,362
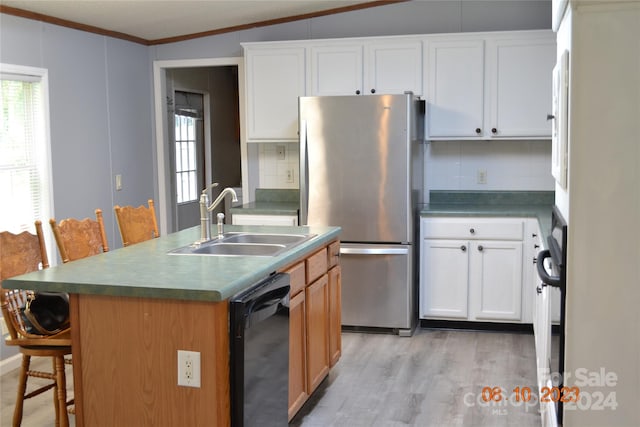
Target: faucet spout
x,y
221,196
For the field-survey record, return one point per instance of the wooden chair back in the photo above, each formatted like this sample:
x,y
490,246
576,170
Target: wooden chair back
x,y
22,253
136,224
19,254
78,239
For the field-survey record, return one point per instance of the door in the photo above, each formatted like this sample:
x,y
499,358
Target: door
x,y
354,154
520,69
188,156
456,88
394,67
336,70
444,279
377,286
495,282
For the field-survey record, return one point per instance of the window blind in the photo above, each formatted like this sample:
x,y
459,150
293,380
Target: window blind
x,y
23,154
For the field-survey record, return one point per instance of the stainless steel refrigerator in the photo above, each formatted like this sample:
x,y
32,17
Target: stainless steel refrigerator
x,y
361,168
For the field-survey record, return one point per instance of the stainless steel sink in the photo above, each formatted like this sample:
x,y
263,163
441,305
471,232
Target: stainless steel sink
x,y
244,244
264,238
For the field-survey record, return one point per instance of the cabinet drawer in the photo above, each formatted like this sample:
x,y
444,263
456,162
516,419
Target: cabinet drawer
x,y
297,278
476,228
316,265
334,253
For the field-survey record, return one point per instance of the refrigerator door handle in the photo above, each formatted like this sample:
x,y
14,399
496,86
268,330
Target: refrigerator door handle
x,y
374,251
304,179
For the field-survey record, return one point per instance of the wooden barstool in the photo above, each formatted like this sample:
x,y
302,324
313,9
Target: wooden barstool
x,y
136,224
19,254
78,239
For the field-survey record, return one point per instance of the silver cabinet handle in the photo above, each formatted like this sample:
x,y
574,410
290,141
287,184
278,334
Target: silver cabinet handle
x,y
480,248
463,248
472,230
374,251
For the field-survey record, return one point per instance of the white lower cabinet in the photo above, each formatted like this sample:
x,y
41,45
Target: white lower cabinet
x,y
244,219
476,276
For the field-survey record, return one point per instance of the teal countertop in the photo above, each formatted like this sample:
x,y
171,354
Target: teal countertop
x,y
266,208
147,270
530,204
271,201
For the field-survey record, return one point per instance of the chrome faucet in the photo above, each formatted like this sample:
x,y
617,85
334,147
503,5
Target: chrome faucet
x,y
205,208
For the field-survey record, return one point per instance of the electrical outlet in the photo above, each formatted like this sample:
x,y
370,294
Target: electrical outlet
x,y
289,175
482,176
282,152
189,368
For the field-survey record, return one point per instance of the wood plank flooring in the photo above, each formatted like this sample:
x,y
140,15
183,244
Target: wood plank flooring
x,y
434,378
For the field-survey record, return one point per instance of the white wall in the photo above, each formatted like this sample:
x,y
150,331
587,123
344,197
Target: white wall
x,y
603,266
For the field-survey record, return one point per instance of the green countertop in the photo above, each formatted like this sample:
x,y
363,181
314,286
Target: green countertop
x,y
492,204
271,201
147,270
266,208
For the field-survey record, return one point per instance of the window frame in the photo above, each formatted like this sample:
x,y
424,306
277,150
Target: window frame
x,y
41,75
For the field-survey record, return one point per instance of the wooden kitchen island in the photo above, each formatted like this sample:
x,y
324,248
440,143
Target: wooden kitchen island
x,y
133,308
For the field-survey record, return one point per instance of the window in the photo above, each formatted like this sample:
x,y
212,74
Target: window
x,y
25,180
186,169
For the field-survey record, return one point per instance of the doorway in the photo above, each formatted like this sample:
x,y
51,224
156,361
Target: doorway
x,y
223,150
188,163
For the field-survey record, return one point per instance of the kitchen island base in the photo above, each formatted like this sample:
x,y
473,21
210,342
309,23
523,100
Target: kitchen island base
x,y
125,366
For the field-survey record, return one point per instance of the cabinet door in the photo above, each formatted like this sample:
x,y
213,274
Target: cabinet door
x,y
336,70
335,309
520,80
317,306
275,80
297,354
456,88
495,284
394,68
444,279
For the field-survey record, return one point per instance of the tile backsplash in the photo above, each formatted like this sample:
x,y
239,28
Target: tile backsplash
x,y
449,165
504,165
278,165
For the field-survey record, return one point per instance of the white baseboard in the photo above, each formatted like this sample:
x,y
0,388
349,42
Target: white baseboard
x,y
10,363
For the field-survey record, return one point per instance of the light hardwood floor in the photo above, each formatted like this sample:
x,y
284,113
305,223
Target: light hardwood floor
x,y
434,378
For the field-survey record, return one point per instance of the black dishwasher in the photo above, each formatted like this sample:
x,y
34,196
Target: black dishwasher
x,y
259,355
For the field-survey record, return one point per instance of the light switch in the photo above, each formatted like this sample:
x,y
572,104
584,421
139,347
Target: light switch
x,y
118,182
281,150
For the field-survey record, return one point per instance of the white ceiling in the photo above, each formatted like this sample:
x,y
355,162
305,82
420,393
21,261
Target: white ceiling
x,y
160,19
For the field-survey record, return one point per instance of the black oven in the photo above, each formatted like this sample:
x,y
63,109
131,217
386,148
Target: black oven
x,y
556,279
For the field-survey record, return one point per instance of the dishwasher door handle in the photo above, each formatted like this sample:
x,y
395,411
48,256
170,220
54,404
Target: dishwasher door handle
x,y
265,306
546,278
374,251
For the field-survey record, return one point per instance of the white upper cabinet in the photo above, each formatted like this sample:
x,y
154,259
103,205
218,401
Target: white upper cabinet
x,y
365,67
456,88
494,85
394,67
520,86
275,78
477,85
336,69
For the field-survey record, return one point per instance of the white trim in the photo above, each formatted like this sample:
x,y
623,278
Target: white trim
x,y
10,363
158,73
